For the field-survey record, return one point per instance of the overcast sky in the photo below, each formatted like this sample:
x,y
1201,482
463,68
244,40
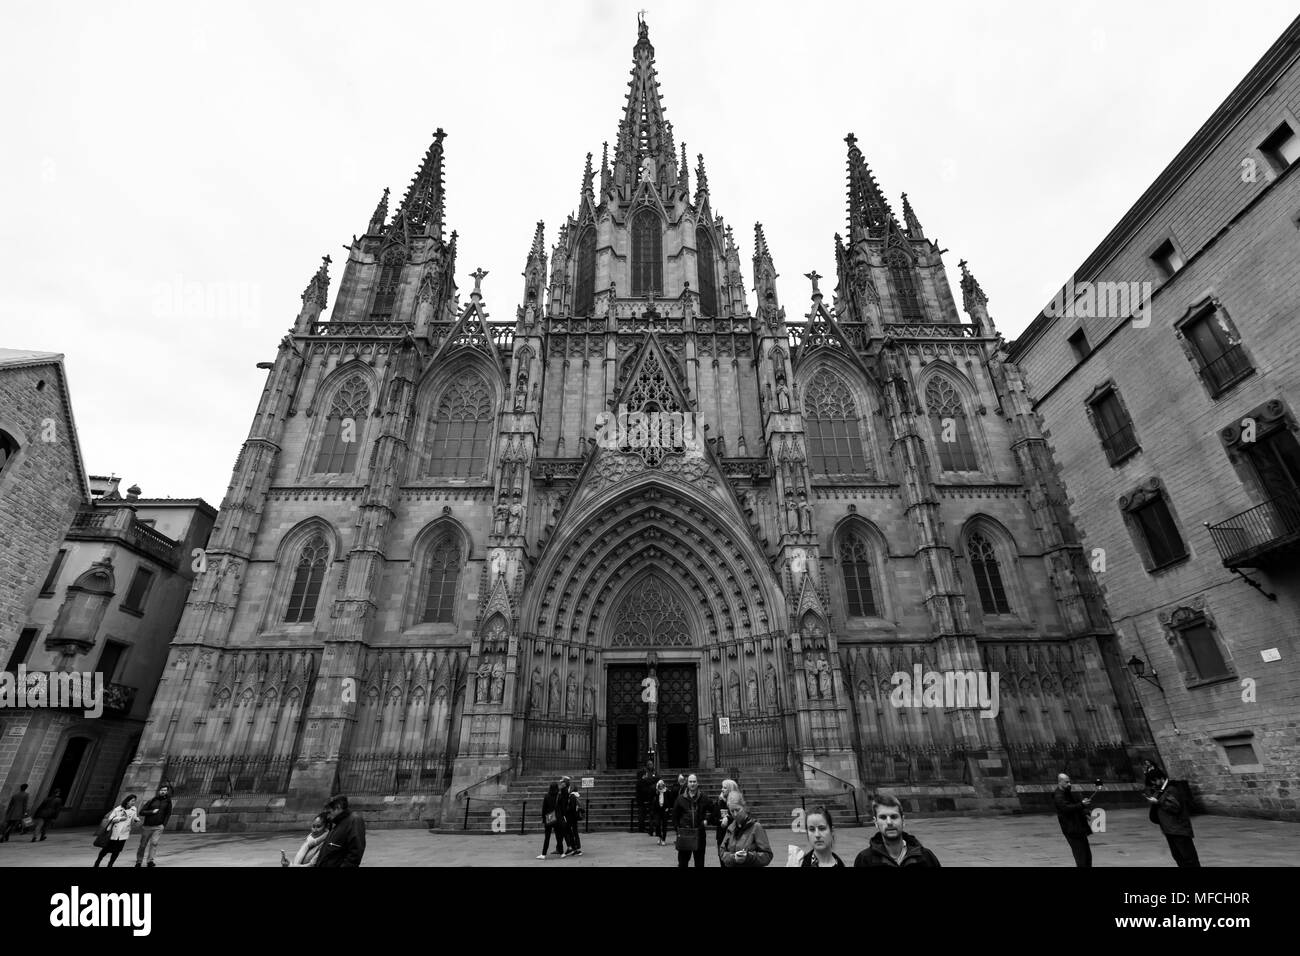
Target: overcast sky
x,y
172,173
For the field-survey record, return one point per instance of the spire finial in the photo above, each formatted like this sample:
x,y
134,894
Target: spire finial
x,y
587,176
813,277
701,178
424,200
478,276
379,216
318,286
539,248
868,210
913,223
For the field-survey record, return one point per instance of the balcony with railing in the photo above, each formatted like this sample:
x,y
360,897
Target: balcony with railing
x,y
119,699
1226,370
1120,444
121,524
1260,536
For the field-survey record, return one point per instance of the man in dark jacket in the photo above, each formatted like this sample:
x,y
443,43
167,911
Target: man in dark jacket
x,y
692,813
1170,807
572,814
46,813
153,816
1072,814
15,812
346,844
890,846
645,785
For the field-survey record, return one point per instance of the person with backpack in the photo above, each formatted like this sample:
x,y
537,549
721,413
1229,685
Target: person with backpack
x,y
154,816
115,829
573,812
551,820
46,813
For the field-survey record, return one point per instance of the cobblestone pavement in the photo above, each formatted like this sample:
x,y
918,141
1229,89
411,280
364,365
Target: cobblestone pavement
x,y
1130,840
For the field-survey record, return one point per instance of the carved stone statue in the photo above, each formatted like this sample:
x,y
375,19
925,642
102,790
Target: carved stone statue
x,y
782,395
516,518
824,678
521,391
805,513
499,520
588,699
733,691
717,693
498,684
554,704
811,675
537,701
769,685
571,696
752,689
482,685
791,513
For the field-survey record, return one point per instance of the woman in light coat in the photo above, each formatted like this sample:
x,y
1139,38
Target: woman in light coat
x,y
120,819
310,849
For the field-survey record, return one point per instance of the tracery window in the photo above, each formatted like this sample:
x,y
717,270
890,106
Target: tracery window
x,y
343,425
647,254
988,574
835,445
440,576
390,275
708,282
904,285
308,576
950,426
651,615
855,563
584,287
460,429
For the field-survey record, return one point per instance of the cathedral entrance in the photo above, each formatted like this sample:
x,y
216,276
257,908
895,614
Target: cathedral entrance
x,y
678,717
627,717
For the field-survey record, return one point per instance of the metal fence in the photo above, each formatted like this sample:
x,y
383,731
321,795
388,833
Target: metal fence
x,y
755,742
391,773
914,766
223,776
558,744
1040,763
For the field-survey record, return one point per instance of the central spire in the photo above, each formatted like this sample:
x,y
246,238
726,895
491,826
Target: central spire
x,y
645,144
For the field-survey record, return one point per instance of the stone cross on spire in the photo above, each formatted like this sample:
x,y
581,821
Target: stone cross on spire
x,y
478,275
813,277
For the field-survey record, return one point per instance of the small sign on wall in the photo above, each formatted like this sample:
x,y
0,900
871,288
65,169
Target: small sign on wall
x,y
724,725
1271,654
588,783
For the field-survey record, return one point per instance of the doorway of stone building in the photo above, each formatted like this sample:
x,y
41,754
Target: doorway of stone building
x,y
678,715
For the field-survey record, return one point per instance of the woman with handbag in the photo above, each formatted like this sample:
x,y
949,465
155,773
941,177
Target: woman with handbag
x,y
116,829
550,817
659,807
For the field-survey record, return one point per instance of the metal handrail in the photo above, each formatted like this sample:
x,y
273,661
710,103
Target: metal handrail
x,y
853,790
460,794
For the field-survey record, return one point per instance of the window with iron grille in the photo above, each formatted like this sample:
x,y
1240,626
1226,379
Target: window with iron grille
x,y
988,574
461,429
347,416
440,576
1157,533
705,265
390,275
1221,360
647,254
855,563
835,445
952,434
308,576
1114,426
903,281
584,283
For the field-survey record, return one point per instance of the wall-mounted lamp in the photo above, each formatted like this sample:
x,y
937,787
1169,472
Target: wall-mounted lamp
x,y
1138,667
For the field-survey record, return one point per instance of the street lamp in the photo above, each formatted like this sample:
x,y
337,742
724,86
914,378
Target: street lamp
x,y
1138,667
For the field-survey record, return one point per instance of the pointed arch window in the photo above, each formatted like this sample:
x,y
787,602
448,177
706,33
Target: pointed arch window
x,y
390,274
988,574
584,288
835,445
855,563
904,283
343,425
308,576
461,429
647,254
951,428
440,576
708,281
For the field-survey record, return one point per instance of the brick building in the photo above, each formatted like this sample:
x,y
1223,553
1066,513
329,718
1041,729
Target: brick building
x,y
42,482
110,602
446,558
1167,374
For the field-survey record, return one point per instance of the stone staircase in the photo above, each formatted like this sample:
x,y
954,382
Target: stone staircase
x,y
611,801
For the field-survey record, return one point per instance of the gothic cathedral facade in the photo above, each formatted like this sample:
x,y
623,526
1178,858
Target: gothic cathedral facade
x,y
644,515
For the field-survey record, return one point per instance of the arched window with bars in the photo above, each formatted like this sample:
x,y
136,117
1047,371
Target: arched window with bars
x,y
441,572
343,427
988,574
855,564
950,426
903,281
584,283
390,275
707,270
835,445
308,576
647,254
460,429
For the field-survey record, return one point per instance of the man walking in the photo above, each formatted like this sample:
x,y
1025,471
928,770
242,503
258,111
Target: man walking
x,y
14,813
645,782
1072,814
346,844
572,814
691,815
153,817
46,813
891,846
1170,807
